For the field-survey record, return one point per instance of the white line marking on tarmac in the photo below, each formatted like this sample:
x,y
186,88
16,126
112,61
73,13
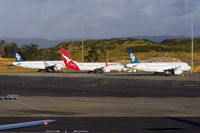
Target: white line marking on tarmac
x,y
29,106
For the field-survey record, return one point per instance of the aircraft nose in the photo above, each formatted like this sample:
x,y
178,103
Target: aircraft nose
x,y
189,68
15,63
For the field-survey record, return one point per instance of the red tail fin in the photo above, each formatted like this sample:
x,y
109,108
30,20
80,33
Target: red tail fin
x,y
65,53
106,63
69,63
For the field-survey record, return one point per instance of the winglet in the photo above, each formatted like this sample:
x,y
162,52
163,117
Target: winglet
x,y
25,124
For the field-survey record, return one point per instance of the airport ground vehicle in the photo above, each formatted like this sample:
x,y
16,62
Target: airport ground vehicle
x,y
11,97
1,97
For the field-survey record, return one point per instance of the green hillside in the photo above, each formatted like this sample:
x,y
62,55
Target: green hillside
x,y
109,49
116,49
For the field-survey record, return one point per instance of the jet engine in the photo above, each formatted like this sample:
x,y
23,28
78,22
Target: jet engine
x,y
57,67
106,69
178,72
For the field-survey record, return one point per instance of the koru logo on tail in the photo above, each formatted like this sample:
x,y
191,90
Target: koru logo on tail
x,y
17,56
132,57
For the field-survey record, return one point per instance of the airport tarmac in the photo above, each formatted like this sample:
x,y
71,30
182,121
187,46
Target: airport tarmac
x,y
103,103
118,75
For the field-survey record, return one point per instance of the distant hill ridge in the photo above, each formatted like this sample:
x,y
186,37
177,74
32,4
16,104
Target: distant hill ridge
x,y
41,42
45,43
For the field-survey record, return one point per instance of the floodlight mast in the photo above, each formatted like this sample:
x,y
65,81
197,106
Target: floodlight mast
x,y
192,43
82,39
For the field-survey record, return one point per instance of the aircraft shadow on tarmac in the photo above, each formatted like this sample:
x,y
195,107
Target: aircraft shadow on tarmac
x,y
112,73
184,121
138,74
65,72
181,120
164,129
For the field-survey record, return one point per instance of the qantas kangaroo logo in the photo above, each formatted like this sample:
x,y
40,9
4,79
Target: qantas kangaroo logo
x,y
69,62
67,59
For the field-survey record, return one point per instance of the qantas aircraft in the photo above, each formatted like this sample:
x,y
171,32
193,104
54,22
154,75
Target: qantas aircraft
x,y
25,124
175,68
90,66
41,65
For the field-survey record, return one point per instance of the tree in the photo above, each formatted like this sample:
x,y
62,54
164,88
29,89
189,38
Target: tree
x,y
2,43
49,54
9,48
30,52
93,54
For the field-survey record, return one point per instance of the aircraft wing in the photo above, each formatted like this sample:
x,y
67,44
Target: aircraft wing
x,y
96,67
167,69
25,124
131,66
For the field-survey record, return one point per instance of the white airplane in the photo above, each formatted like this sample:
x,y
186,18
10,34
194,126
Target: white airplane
x,y
175,68
25,124
90,66
41,65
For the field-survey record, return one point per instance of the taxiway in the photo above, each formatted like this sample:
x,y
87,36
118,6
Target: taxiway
x,y
103,103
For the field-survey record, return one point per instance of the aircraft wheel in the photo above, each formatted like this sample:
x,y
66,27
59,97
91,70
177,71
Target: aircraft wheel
x,y
173,73
96,71
182,74
155,74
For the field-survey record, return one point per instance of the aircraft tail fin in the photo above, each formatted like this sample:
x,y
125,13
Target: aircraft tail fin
x,y
64,53
132,57
106,63
17,56
69,63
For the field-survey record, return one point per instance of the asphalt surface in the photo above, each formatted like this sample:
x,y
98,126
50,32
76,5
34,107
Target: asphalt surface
x,y
103,103
116,124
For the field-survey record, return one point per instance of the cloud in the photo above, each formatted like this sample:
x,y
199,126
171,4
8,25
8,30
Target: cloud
x,y
55,19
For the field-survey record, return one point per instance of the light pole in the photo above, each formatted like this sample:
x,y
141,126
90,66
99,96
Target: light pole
x,y
192,43
82,38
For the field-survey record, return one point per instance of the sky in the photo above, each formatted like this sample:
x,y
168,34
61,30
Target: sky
x,y
67,19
